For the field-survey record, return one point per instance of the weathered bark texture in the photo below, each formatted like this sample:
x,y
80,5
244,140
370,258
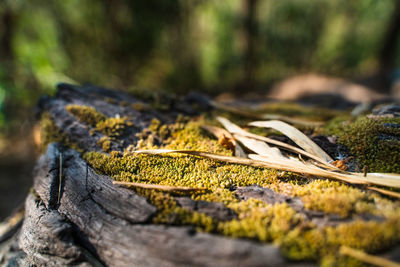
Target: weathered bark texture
x,y
86,220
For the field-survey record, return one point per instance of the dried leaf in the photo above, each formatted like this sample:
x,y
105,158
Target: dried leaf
x,y
259,147
237,131
226,140
341,164
298,137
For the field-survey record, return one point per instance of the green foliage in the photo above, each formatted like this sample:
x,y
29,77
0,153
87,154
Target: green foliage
x,y
180,45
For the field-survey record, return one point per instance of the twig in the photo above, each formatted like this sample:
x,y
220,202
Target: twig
x,y
364,257
60,178
161,187
365,171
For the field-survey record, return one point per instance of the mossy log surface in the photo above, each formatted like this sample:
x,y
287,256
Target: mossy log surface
x,y
248,216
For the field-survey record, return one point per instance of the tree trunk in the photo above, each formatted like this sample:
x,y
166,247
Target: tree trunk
x,y
248,37
387,54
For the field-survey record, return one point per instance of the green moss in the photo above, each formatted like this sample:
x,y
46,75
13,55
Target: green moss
x,y
374,145
324,244
260,221
380,235
50,133
178,171
191,136
111,127
168,212
86,114
222,195
299,244
105,143
335,125
333,197
180,136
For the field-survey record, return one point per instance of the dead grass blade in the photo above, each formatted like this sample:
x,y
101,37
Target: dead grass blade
x,y
386,179
259,147
237,132
288,165
264,162
364,257
390,180
283,164
298,137
226,139
161,187
231,127
385,192
299,167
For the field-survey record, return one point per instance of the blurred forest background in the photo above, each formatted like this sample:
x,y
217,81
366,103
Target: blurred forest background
x,y
179,46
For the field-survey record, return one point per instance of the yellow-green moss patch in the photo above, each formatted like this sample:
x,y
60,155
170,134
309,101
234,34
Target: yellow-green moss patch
x,y
260,221
112,127
179,170
323,244
51,133
86,114
334,197
105,143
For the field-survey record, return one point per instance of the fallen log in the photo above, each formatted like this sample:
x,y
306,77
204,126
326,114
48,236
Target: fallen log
x,y
75,215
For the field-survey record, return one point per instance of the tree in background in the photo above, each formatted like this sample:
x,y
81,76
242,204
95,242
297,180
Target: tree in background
x,y
177,45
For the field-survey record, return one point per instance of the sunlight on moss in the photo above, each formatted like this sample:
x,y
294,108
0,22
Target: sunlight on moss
x,y
333,197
